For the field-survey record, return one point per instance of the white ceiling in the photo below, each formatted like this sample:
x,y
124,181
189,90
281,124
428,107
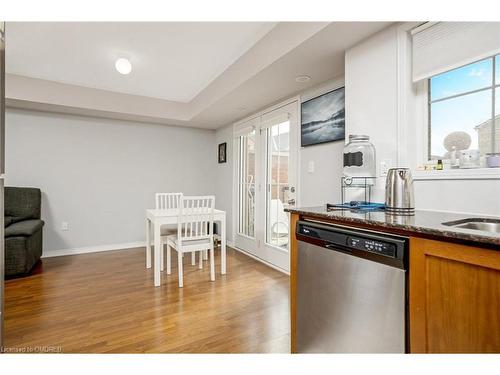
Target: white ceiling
x,y
203,75
171,60
321,57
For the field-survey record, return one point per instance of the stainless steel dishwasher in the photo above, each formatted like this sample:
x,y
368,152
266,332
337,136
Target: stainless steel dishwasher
x,y
351,290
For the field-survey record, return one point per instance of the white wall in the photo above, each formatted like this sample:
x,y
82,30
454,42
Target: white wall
x,y
371,77
224,178
323,185
99,175
467,196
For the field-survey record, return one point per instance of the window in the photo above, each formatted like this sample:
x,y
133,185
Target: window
x,y
464,103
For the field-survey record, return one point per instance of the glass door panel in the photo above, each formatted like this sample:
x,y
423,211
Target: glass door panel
x,y
246,191
277,192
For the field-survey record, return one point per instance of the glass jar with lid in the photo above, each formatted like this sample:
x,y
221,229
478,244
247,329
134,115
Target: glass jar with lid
x,y
359,157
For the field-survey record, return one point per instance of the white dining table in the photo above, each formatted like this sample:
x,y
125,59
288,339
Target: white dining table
x,y
155,218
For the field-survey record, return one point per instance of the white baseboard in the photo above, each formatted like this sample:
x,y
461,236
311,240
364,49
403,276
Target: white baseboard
x,y
260,260
92,249
100,248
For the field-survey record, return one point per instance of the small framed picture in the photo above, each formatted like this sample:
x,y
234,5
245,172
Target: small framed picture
x,y
222,152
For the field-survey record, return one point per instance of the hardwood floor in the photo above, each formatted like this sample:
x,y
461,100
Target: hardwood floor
x,y
106,302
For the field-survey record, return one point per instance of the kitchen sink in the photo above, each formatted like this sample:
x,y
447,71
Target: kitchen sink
x,y
482,224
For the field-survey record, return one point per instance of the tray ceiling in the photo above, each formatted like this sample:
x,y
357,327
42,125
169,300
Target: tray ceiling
x,y
203,75
170,60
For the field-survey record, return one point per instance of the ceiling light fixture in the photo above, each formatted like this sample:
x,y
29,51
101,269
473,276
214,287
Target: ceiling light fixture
x,y
123,66
302,79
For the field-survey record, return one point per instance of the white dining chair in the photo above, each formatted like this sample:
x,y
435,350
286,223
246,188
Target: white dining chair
x,y
194,232
165,201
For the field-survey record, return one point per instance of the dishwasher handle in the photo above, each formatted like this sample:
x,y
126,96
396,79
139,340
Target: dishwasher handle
x,y
335,247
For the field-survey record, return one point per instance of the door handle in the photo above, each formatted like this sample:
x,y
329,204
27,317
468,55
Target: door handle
x,y
291,201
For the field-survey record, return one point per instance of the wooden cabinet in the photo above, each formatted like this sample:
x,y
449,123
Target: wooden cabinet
x,y
454,298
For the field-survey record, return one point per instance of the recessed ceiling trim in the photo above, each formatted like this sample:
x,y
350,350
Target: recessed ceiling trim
x,y
302,78
50,94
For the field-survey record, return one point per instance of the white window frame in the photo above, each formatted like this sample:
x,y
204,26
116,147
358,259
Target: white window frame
x,y
422,142
416,130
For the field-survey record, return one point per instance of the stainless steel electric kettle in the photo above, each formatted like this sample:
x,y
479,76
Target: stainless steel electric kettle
x,y
399,192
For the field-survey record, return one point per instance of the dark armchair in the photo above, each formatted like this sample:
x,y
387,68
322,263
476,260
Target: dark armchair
x,y
23,229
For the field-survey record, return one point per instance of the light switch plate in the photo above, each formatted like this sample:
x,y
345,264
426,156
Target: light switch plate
x,y
310,167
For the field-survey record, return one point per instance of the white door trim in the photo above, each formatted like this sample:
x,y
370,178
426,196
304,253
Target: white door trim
x,y
296,154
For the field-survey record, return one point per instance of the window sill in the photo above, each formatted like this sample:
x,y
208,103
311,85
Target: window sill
x,y
458,174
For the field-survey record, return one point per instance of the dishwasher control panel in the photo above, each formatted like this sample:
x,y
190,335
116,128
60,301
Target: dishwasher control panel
x,y
373,246
378,247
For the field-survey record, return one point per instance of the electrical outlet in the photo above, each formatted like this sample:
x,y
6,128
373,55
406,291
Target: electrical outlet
x,y
384,166
64,225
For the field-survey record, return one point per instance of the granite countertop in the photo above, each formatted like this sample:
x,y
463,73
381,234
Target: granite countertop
x,y
423,222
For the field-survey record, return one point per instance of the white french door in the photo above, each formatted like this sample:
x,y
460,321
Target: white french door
x,y
266,174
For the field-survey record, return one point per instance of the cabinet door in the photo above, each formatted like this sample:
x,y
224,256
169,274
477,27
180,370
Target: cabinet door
x,y
454,298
